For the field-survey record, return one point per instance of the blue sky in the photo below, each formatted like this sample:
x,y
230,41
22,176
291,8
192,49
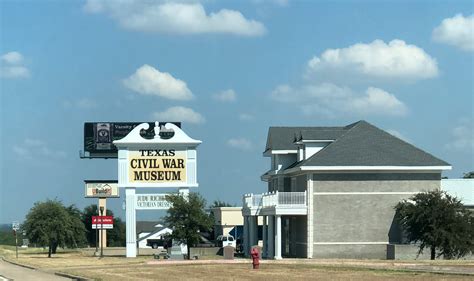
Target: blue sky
x,y
228,70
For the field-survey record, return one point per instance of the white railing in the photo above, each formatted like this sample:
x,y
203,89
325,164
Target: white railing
x,y
275,199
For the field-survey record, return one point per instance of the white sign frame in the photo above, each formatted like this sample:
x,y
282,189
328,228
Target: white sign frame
x,y
133,142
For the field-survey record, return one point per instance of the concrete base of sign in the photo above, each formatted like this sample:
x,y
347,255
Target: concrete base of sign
x,y
176,253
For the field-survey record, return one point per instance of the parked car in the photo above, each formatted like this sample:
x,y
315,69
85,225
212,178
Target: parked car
x,y
157,243
226,240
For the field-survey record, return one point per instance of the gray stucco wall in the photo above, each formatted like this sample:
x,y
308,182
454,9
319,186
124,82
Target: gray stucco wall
x,y
360,218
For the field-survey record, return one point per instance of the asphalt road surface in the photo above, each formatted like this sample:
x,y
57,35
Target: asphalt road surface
x,y
9,271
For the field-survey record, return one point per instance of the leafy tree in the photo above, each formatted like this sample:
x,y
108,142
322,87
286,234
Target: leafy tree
x,y
50,224
76,234
86,218
187,218
116,237
219,203
437,221
469,175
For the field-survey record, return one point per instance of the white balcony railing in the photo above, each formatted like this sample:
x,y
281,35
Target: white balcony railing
x,y
275,199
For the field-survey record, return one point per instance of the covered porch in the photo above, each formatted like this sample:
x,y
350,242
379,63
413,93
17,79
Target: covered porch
x,y
284,232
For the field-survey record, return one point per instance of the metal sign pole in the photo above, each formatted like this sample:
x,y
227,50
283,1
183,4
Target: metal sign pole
x,y
102,231
16,243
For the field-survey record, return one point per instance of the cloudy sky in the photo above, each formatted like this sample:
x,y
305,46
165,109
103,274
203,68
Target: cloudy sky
x,y
227,70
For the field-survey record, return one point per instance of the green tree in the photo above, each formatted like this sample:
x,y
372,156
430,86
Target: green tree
x,y
115,237
218,203
50,224
437,221
469,175
76,230
187,218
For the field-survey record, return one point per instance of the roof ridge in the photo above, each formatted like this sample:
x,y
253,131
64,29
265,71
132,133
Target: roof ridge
x,y
353,125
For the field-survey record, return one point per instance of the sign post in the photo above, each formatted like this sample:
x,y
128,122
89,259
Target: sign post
x,y
166,160
16,227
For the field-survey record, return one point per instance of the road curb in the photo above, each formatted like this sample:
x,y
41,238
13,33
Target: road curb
x,y
62,274
73,277
19,264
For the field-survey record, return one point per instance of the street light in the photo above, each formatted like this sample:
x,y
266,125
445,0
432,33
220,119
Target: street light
x,y
101,231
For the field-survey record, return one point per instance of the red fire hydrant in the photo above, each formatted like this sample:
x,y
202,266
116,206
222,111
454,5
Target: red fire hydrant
x,y
255,257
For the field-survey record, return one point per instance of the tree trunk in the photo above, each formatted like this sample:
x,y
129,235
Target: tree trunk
x,y
433,252
55,247
189,250
49,250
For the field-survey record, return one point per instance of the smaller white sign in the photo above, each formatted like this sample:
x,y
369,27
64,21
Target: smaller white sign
x,y
151,202
15,225
101,189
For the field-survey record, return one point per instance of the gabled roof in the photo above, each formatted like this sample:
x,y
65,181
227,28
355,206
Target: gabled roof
x,y
366,145
356,145
146,226
283,138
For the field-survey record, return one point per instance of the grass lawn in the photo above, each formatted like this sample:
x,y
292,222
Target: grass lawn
x,y
119,268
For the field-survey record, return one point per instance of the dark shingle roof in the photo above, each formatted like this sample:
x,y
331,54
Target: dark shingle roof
x,y
283,138
366,145
357,144
146,226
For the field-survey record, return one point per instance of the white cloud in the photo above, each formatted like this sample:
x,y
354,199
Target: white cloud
x,y
246,117
457,31
330,100
12,66
226,96
376,60
83,103
179,114
35,149
148,80
462,137
12,58
240,143
178,17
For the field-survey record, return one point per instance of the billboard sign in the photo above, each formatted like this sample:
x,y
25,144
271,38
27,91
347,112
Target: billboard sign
x,y
99,136
101,189
151,202
102,222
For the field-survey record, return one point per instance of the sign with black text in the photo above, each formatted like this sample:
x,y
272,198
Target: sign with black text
x,y
151,202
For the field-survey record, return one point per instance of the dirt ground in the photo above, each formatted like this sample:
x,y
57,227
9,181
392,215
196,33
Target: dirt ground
x,y
117,268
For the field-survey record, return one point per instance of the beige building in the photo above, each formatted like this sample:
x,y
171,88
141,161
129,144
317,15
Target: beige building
x,y
227,219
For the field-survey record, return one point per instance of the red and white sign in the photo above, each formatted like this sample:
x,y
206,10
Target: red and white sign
x,y
102,222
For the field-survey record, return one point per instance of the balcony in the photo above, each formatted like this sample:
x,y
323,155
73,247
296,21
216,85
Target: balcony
x,y
275,203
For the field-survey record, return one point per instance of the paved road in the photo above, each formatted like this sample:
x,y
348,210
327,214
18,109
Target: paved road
x,y
9,271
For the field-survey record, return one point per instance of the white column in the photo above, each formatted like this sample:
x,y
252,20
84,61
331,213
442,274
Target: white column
x,y
271,236
184,191
246,236
278,237
130,221
310,216
265,237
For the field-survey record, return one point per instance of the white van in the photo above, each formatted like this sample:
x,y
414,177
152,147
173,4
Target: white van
x,y
226,240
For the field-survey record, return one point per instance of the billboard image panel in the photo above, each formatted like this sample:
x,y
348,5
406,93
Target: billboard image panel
x,y
98,136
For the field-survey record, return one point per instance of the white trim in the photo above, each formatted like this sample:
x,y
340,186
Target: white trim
x,y
366,193
384,168
350,243
312,141
284,151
